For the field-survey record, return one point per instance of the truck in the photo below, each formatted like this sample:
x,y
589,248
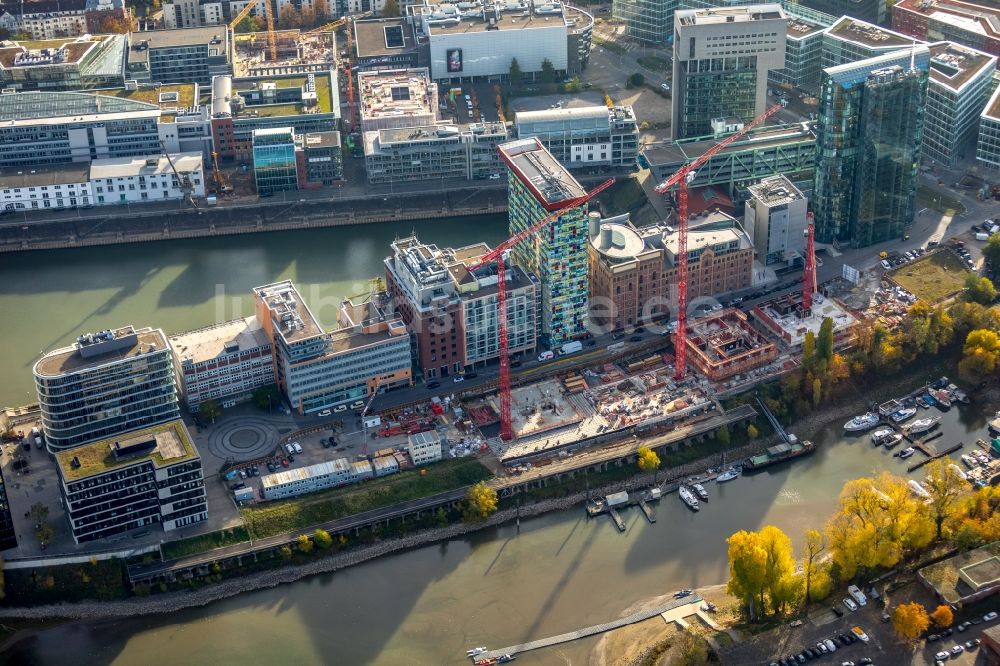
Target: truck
x,y
546,356
570,348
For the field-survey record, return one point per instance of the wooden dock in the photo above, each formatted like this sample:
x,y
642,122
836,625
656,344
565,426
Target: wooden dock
x,y
942,454
647,511
615,516
595,629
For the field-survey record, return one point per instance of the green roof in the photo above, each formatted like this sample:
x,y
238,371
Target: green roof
x,y
151,95
98,457
945,575
324,95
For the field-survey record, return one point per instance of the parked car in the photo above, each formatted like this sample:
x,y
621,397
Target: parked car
x,y
957,650
433,385
297,447
635,338
837,611
325,412
972,645
458,379
851,606
942,655
989,617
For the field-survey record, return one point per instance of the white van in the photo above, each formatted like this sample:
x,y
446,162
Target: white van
x,y
297,447
858,595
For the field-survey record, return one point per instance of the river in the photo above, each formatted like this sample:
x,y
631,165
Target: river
x,y
426,606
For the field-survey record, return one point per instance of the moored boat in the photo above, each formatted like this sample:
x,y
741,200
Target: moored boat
x,y
893,440
861,423
923,425
958,470
687,496
882,434
941,397
918,489
969,460
777,454
903,414
957,394
700,491
907,452
728,475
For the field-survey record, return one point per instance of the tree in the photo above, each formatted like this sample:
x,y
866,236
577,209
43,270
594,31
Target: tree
x,y
548,76
980,289
481,502
946,487
747,570
322,539
980,354
690,650
39,513
991,254
814,545
817,392
305,544
808,349
210,410
910,620
824,343
723,436
515,75
114,24
289,18
286,553
635,80
752,431
942,617
647,459
266,397
779,578
573,86
246,25
390,9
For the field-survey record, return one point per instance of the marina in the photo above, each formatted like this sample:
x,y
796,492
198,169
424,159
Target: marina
x,y
612,503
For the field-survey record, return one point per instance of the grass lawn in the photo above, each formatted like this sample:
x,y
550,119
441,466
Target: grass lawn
x,y
654,63
932,278
199,544
610,46
928,198
292,514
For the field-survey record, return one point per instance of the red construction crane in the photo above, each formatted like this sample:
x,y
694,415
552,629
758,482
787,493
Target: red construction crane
x,y
681,179
809,274
499,254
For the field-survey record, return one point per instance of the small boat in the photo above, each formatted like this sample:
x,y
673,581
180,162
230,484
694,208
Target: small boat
x,y
923,425
505,658
922,402
969,460
957,394
680,594
907,452
918,489
728,475
903,414
475,652
958,471
939,383
486,661
892,440
688,498
941,397
700,491
861,423
882,434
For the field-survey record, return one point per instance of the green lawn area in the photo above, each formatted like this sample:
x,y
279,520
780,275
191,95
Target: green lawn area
x,y
300,512
614,47
933,278
943,203
199,544
654,63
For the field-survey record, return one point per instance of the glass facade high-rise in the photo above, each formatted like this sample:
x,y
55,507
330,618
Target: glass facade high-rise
x,y
988,143
274,165
646,20
869,136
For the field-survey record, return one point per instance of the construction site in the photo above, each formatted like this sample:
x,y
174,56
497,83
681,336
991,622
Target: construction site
x,y
787,318
293,52
723,344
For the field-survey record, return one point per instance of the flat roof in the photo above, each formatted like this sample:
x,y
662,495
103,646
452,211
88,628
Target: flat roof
x,y
550,182
717,15
799,27
159,39
69,359
335,467
168,96
344,340
855,30
689,149
173,445
122,167
371,41
974,17
61,52
323,93
992,109
397,93
625,240
291,316
51,174
595,112
775,191
713,228
954,65
321,140
205,344
447,18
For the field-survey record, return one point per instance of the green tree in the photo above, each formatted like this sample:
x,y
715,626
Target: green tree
x,y
390,9
210,410
980,354
573,86
286,553
266,397
824,343
946,487
248,24
817,392
910,620
991,254
548,76
322,539
305,544
979,289
515,76
815,544
635,80
441,517
39,513
647,459
481,502
690,650
724,436
808,349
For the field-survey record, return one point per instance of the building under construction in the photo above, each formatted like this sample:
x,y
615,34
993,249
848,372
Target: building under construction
x,y
723,344
297,53
786,317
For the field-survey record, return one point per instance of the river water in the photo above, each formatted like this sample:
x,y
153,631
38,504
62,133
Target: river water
x,y
426,606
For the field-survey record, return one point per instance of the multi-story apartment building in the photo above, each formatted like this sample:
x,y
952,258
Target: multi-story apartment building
x,y
803,54
54,19
434,152
539,185
385,43
224,362
958,89
722,58
192,13
633,271
185,55
79,63
775,220
133,480
275,167
975,24
851,39
316,369
868,151
320,159
583,137
988,143
106,384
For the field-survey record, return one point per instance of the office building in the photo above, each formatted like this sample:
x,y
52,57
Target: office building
x,y
79,63
306,102
105,384
224,362
715,74
320,159
975,24
957,92
452,311
788,150
134,480
396,98
803,54
187,55
646,20
538,185
775,219
385,43
633,271
872,11
424,447
275,168
988,143
53,19
869,136
851,40
316,369
584,137
8,532
193,13
434,152
480,42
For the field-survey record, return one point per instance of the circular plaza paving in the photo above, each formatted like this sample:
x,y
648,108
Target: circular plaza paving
x,y
244,438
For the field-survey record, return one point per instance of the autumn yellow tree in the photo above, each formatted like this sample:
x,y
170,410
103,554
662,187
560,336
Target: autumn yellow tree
x,y
647,459
980,354
945,486
942,617
305,543
762,570
322,539
910,620
480,502
815,544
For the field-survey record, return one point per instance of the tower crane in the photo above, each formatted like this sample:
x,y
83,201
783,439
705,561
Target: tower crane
x,y
242,15
272,39
684,176
500,254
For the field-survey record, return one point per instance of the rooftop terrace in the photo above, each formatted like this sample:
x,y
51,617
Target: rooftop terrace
x,y
320,81
395,93
447,18
289,313
173,445
799,27
954,65
39,53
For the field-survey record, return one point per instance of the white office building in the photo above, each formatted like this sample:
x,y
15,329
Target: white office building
x,y
775,219
584,137
988,145
424,447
